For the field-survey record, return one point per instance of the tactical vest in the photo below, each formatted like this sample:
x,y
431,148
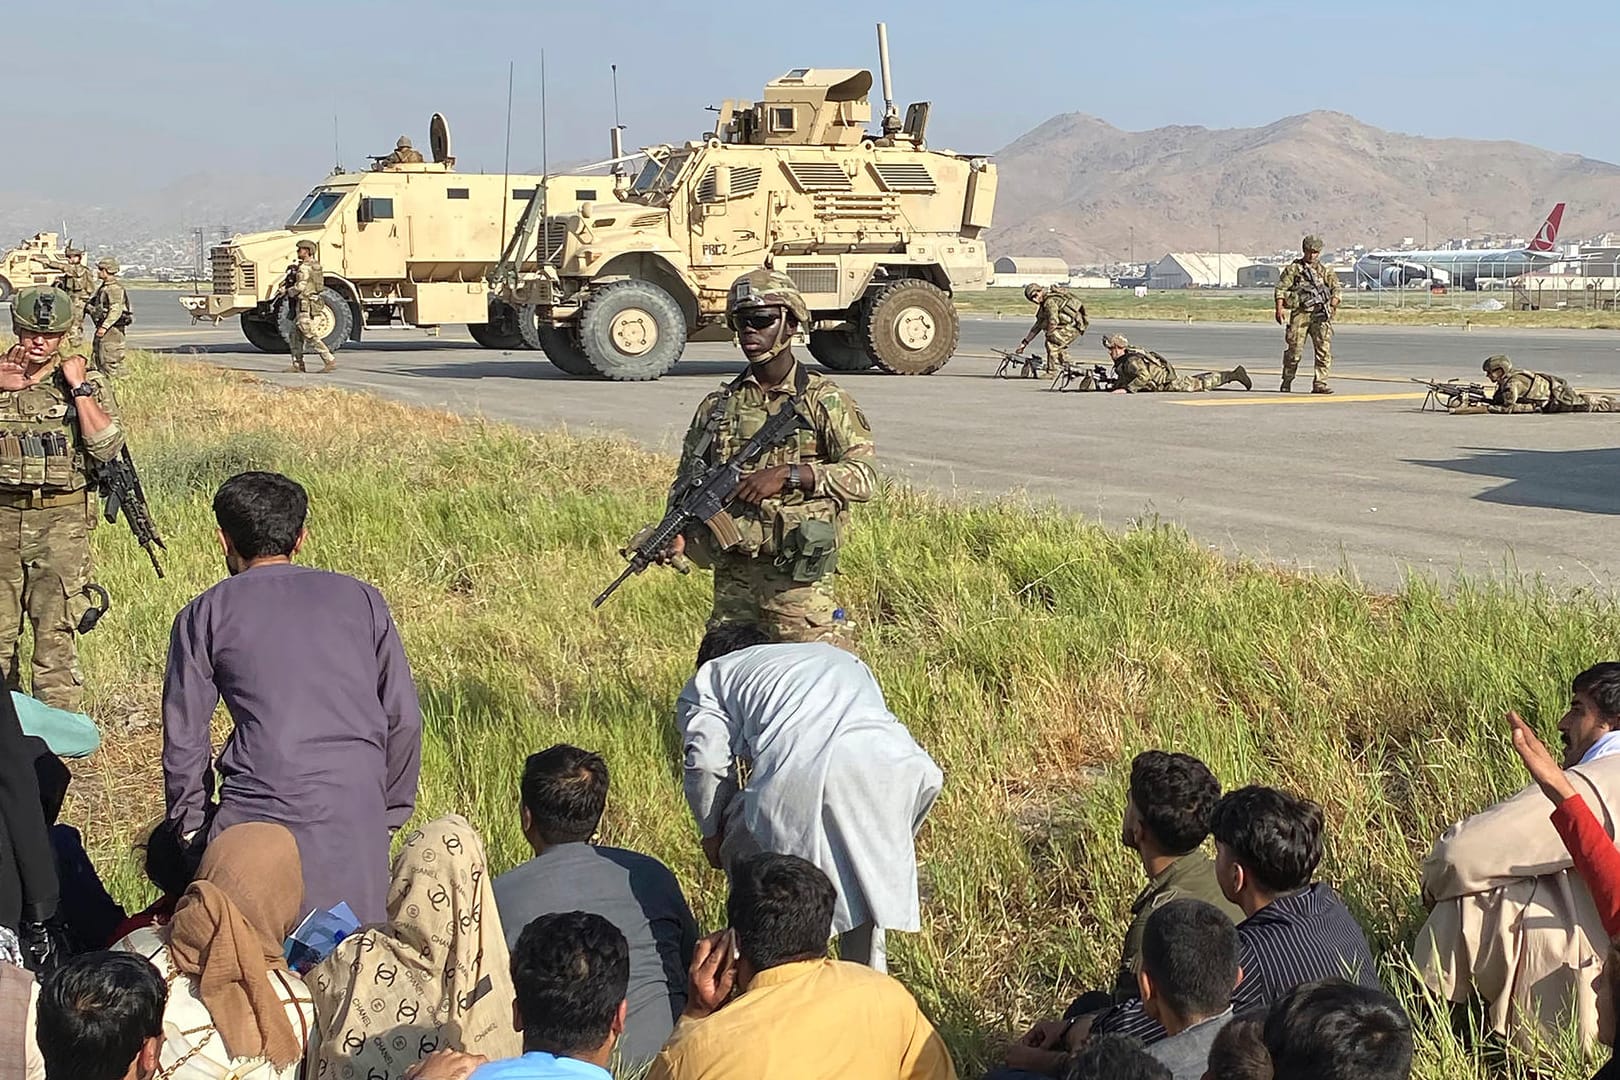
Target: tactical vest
x,y
311,279
1149,366
99,304
776,526
40,448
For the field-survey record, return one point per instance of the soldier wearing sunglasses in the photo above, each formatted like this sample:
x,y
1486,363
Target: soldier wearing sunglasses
x,y
792,510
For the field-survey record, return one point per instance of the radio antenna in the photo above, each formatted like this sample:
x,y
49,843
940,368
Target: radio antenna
x,y
337,151
616,144
506,167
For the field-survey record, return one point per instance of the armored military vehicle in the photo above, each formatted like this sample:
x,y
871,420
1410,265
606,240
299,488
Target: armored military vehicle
x,y
31,263
403,243
877,230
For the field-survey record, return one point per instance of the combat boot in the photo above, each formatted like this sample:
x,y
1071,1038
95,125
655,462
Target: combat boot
x,y
1287,386
1238,375
298,366
1321,388
328,367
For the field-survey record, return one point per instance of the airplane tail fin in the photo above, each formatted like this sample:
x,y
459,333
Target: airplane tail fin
x,y
1547,235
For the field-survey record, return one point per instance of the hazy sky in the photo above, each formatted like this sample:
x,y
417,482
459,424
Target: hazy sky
x,y
145,93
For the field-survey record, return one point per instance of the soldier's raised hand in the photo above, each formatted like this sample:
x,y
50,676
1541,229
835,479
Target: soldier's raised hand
x,y
73,369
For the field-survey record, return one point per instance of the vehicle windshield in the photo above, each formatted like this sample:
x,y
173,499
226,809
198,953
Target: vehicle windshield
x,y
659,174
316,208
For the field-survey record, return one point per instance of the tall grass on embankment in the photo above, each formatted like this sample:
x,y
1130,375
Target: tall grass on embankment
x,y
1031,653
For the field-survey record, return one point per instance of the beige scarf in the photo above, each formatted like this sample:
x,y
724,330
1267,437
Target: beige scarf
x,y
437,974
228,931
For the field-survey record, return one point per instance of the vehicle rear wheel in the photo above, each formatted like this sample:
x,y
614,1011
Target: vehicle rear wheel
x,y
5,290
839,350
502,330
911,328
333,320
562,349
264,334
632,331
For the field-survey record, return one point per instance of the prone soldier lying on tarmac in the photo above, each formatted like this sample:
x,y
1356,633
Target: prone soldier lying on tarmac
x,y
1532,392
1138,372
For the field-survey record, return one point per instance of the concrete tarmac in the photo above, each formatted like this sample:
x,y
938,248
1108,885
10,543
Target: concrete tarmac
x,y
1361,481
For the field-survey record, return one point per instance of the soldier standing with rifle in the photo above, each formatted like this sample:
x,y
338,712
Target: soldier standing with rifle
x,y
305,280
56,421
110,311
775,548
1310,292
80,284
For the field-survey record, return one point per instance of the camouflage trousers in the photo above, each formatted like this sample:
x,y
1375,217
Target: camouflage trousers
x,y
1300,325
75,334
108,353
753,590
1207,380
304,336
1588,403
44,564
1058,340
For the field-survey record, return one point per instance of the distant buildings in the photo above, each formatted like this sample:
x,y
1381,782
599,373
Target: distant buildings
x,y
1197,269
1016,271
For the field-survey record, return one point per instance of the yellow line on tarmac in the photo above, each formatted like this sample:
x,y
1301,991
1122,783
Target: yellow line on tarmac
x,y
1301,399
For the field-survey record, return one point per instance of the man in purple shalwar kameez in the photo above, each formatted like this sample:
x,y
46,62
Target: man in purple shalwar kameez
x,y
328,729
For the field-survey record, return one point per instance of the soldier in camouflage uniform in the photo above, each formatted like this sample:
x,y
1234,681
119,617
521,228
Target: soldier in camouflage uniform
x,y
80,284
1532,392
304,292
1299,279
55,418
404,154
1138,372
792,510
110,311
1061,316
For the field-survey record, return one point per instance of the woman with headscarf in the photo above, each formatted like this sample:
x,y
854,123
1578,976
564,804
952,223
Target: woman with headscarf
x,y
435,975
234,1009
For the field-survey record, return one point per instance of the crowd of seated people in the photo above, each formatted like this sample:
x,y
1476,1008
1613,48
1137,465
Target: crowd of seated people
x,y
1237,962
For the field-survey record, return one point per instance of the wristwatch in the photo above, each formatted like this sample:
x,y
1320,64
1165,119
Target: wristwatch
x,y
84,389
793,481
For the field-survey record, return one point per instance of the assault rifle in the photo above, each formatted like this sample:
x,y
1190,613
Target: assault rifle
x,y
1089,376
703,494
1313,289
1454,394
1021,365
118,483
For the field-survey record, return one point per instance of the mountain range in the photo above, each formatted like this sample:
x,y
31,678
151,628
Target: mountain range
x,y
1075,187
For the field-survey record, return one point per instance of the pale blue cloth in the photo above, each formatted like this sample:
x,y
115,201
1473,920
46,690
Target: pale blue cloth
x,y
834,777
536,1065
68,734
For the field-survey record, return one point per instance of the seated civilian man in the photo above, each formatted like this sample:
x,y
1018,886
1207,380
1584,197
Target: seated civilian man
x,y
1267,846
1335,1030
797,1013
101,1018
1167,815
569,971
1510,920
564,792
1189,970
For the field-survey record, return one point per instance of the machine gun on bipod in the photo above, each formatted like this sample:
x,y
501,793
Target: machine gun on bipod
x,y
1449,395
1088,376
1017,365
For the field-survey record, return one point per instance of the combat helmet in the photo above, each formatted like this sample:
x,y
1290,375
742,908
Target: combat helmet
x,y
1311,243
72,251
306,243
108,264
404,143
43,309
1497,363
1033,291
766,288
1112,340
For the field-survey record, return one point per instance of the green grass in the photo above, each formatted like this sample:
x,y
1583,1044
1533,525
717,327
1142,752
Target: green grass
x,y
1217,305
1031,653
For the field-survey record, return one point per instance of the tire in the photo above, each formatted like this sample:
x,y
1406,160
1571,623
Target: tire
x,y
264,335
336,320
632,331
5,290
562,349
502,330
840,350
911,328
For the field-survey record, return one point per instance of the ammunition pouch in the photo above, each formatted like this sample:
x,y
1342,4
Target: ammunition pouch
x,y
808,548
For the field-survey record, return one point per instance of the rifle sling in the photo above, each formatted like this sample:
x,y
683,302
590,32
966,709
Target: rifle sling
x,y
717,412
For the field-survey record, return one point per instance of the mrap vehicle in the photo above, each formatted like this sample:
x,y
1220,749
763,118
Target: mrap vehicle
x,y
878,232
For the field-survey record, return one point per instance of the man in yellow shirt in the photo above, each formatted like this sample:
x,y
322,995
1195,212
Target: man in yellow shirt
x,y
796,1014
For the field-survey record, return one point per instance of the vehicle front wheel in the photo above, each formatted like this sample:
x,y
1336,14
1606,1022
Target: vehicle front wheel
x,y
632,331
264,334
333,319
840,350
911,328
